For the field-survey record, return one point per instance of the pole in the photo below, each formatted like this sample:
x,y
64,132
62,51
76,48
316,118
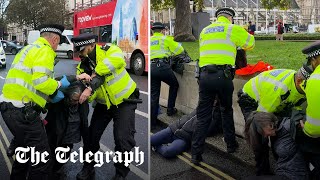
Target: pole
x,y
257,20
247,12
274,22
266,21
169,22
212,9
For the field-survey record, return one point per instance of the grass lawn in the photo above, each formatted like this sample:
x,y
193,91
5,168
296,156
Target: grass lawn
x,y
286,54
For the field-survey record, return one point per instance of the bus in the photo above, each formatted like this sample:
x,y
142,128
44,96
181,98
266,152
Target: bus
x,y
120,22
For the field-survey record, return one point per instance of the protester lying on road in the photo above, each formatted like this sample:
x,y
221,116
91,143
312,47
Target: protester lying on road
x,y
176,138
290,162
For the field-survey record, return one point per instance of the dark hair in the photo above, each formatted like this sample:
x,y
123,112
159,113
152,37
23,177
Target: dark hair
x,y
254,124
75,88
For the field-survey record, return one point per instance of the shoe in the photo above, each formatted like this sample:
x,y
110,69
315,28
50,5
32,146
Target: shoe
x,y
172,111
86,172
11,148
118,177
232,149
196,159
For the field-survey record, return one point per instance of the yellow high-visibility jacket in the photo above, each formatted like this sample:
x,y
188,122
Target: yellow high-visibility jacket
x,y
164,46
219,41
118,83
274,90
31,74
312,125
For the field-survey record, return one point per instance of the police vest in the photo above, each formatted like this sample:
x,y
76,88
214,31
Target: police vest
x,y
31,74
164,46
274,90
312,125
219,42
118,83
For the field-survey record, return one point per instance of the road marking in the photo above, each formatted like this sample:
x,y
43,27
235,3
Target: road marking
x,y
6,159
133,168
211,168
198,167
4,136
143,92
142,114
2,77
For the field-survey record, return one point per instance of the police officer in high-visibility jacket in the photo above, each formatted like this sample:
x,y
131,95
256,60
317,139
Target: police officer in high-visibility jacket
x,y
218,47
310,137
276,91
27,88
162,47
114,92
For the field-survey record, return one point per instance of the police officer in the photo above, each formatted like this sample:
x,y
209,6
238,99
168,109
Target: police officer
x,y
310,138
26,90
218,43
115,93
162,47
276,91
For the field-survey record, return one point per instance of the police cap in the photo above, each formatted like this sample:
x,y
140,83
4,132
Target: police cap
x,y
306,71
312,50
52,28
83,40
157,25
227,11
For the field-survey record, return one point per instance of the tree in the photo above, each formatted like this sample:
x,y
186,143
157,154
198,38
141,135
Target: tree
x,y
183,29
32,13
271,4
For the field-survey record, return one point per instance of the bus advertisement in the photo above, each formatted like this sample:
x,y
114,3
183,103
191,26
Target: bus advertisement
x,y
121,22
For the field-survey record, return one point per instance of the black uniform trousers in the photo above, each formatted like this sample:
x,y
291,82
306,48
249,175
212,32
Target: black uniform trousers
x,y
27,132
210,85
123,117
161,71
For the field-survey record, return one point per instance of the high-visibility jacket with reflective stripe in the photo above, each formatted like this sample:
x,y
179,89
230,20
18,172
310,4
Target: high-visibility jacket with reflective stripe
x,y
118,83
312,125
218,42
31,74
270,90
164,46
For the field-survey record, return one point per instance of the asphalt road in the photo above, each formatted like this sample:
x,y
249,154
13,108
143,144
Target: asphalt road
x,y
216,165
67,67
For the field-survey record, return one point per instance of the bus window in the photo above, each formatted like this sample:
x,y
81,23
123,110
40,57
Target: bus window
x,y
105,34
87,30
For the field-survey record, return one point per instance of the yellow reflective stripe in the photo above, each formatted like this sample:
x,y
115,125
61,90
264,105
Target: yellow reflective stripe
x,y
255,89
118,77
162,48
40,80
315,77
109,65
228,37
274,82
22,83
313,121
119,55
247,41
218,41
285,77
21,67
39,69
125,90
154,53
177,49
222,52
261,108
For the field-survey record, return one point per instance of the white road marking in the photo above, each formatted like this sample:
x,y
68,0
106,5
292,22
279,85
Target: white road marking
x,y
142,114
144,92
2,77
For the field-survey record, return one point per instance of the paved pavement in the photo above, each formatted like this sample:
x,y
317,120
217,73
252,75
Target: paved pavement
x,y
66,66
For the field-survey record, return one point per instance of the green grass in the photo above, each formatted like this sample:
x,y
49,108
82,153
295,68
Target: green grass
x,y
286,54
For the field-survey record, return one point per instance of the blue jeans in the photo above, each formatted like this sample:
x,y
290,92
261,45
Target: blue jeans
x,y
161,139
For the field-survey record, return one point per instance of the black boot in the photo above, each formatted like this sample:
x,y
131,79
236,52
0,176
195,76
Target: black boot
x,y
11,148
86,171
196,159
171,111
232,148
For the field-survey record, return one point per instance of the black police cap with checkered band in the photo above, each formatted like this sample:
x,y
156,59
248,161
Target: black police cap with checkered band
x,y
82,40
157,25
312,50
227,11
52,28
